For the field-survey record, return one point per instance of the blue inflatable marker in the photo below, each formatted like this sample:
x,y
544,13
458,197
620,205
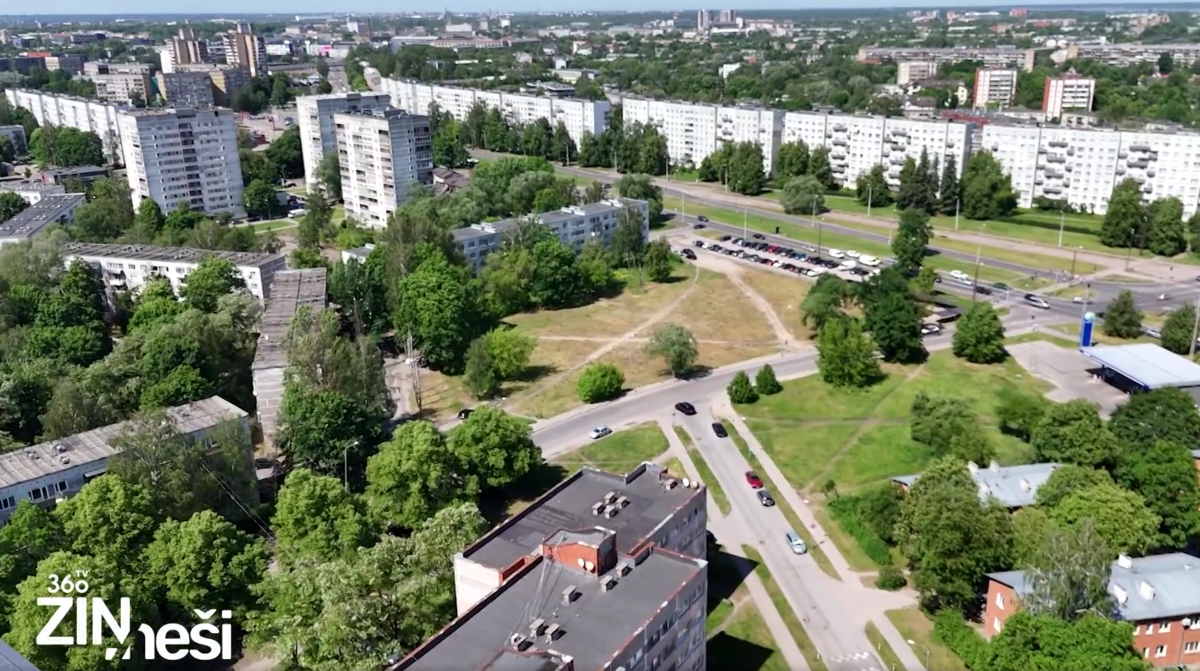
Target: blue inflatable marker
x,y
1085,329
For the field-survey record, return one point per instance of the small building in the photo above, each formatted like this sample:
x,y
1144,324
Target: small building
x,y
1159,596
1013,487
86,174
556,89
447,181
31,189
359,254
48,211
1144,367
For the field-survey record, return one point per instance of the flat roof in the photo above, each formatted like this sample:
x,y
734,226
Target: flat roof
x,y
484,229
596,626
569,506
27,463
290,290
1147,364
168,254
46,211
1147,588
1013,486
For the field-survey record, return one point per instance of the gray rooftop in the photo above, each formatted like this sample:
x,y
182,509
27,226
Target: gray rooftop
x,y
27,184
290,290
26,463
597,625
167,254
47,211
1147,588
569,506
1147,364
1012,486
546,218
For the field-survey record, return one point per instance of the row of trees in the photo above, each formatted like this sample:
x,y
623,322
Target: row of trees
x,y
1158,226
66,147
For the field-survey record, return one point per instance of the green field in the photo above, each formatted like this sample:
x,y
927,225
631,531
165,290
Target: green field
x,y
619,452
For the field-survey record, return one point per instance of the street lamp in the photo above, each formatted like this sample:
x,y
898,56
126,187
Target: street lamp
x,y
1074,254
1062,222
957,202
928,653
870,189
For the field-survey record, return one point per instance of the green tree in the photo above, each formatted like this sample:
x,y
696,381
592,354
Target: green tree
x,y
740,390
317,519
980,335
937,421
600,382
480,376
1031,527
1073,433
1167,234
746,174
949,190
256,165
987,192
285,153
30,535
149,220
361,291
1122,319
259,199
495,448
872,189
819,167
825,301
443,306
1118,516
1069,478
894,319
11,205
329,174
912,241
1177,330
109,518
1164,474
1046,642
1126,216
792,161
641,187
658,260
1017,413
280,96
765,381
911,194
413,476
8,153
845,355
1157,415
629,239
213,278
803,195
677,347
510,351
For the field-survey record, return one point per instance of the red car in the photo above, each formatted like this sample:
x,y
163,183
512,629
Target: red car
x,y
753,480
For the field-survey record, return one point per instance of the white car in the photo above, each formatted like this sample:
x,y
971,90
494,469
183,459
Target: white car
x,y
600,432
837,254
848,265
960,276
851,253
868,260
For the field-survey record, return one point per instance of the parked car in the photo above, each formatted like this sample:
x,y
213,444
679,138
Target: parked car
x,y
465,413
757,236
837,254
753,480
980,289
960,276
697,226
719,429
726,238
930,329
764,498
852,254
702,218
600,432
795,543
688,254
686,408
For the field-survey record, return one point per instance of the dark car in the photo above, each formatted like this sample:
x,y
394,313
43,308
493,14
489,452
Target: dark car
x,y
702,218
764,497
726,238
688,254
686,408
758,236
983,290
719,429
465,413
698,243
697,226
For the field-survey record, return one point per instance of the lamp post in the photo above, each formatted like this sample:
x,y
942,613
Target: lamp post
x,y
744,231
928,654
957,202
1062,223
870,190
1074,254
975,281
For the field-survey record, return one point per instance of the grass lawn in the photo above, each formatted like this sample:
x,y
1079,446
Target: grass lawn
x,y
706,474
886,654
717,310
1039,336
619,452
274,225
803,642
784,294
914,626
745,643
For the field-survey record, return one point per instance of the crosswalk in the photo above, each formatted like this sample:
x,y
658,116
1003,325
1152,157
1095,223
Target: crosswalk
x,y
862,661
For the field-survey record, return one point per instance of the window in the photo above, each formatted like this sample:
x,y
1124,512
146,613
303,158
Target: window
x,y
1160,651
997,625
36,494
1164,627
1149,630
1191,647
62,486
1000,601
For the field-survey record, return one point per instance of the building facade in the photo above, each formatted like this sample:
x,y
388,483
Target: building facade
x,y
224,80
915,71
314,115
1068,92
244,48
995,88
693,131
94,116
993,57
1120,55
123,89
16,135
184,88
183,156
382,154
186,49
47,211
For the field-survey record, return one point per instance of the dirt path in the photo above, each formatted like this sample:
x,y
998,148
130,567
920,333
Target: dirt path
x,y
733,272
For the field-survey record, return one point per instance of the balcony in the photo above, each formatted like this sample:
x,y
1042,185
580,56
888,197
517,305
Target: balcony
x,y
1056,158
1140,146
1058,143
841,127
1139,164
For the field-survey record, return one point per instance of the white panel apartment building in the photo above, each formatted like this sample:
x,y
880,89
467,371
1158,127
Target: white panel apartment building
x,y
1082,166
695,130
1068,92
315,116
183,156
858,143
80,113
994,88
382,153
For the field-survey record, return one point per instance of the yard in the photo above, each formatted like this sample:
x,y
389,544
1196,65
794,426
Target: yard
x,y
620,452
785,295
918,630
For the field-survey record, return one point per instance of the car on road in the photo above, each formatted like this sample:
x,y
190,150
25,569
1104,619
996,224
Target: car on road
x,y
688,254
930,329
1037,301
719,429
758,236
795,543
600,432
698,243
702,218
697,226
764,498
465,413
753,480
837,254
868,261
1001,286
852,254
982,290
1152,332
686,408
960,276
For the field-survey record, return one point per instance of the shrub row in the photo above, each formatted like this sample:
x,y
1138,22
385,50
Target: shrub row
x,y
844,510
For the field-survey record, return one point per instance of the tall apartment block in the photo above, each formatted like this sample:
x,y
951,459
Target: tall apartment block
x,y
315,118
244,48
186,49
994,88
578,116
382,154
915,71
858,143
184,88
183,156
123,89
1068,92
695,130
94,116
224,80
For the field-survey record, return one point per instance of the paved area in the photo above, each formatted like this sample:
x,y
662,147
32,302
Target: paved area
x,y
1070,372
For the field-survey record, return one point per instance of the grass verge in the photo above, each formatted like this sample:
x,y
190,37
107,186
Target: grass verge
x,y
886,654
620,452
788,615
745,642
914,626
706,474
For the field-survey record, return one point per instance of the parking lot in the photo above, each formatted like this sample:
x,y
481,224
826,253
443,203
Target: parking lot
x,y
805,260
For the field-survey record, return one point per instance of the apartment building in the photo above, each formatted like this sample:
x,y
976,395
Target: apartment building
x,y
1183,55
184,88
994,88
1013,487
1082,165
579,116
1068,92
84,114
225,80
93,68
858,143
130,267
914,71
647,506
244,48
314,114
382,154
71,64
47,211
695,130
49,472
183,155
1159,596
992,57
186,49
15,135
574,226
123,89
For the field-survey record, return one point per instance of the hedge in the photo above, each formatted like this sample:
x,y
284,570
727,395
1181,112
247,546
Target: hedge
x,y
844,511
952,631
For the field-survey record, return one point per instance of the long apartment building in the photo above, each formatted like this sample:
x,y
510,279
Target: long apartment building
x,y
383,153
84,114
1081,166
130,267
183,156
1121,55
1159,596
578,116
993,57
49,472
858,143
575,226
994,88
693,131
315,119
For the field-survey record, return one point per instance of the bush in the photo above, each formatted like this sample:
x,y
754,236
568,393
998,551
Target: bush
x,y
845,512
891,579
952,631
600,382
765,381
740,389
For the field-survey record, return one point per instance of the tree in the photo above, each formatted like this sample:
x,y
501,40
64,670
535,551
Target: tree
x,y
746,174
1164,474
109,518
1073,433
1122,319
641,187
480,376
362,292
803,195
676,345
894,319
495,448
1177,330
872,188
1017,413
213,278
317,519
600,382
286,153
987,192
629,239
825,301
1118,516
846,356
149,220
509,350
443,306
937,420
524,189
1167,234
1126,216
951,538
980,335
1069,576
792,161
765,382
949,190
1153,416
594,193
658,260
8,153
1045,642
329,174
11,205
819,167
740,390
413,476
30,535
1031,527
911,241
1069,478
912,194
259,199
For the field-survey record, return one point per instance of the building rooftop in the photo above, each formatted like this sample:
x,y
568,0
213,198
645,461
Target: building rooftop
x,y
594,628
381,113
1012,486
77,170
27,463
569,506
151,113
1147,588
28,222
1147,364
27,184
290,290
168,254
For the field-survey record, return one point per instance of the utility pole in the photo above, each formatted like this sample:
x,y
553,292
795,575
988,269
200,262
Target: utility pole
x,y
1062,223
1073,255
744,226
957,202
975,282
870,190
